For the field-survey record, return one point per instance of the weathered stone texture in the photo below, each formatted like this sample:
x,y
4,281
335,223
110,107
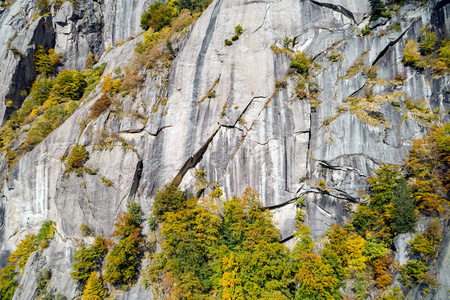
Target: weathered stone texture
x,y
251,134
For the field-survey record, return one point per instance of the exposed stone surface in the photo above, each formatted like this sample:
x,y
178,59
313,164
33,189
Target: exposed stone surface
x,y
58,259
251,134
443,269
20,35
401,244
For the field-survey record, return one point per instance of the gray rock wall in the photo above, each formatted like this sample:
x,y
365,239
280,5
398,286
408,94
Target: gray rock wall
x,y
249,135
74,31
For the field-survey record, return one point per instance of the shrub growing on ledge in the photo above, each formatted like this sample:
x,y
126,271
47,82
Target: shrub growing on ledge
x,y
46,233
301,64
102,104
76,159
427,42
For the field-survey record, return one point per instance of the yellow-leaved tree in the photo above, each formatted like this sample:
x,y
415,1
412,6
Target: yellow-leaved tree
x,y
411,52
94,288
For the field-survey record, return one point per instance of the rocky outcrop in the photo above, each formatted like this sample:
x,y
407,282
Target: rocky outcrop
x,y
20,34
75,31
253,133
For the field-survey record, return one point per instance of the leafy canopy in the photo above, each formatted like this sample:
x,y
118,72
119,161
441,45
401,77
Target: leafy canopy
x,y
124,258
94,288
88,260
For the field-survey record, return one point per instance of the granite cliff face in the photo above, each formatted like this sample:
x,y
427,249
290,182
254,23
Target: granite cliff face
x,y
251,134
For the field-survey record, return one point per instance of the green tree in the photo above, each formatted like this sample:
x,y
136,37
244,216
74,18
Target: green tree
x,y
159,15
335,252
94,288
169,199
8,283
403,209
251,241
427,244
412,273
43,62
39,93
40,90
136,213
124,259
313,278
89,259
46,232
427,42
366,219
70,84
383,185
378,10
190,238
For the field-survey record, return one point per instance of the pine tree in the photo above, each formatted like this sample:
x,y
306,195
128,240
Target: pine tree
x,y
94,288
403,212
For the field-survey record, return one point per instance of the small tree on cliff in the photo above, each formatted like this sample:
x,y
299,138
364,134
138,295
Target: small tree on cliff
x,y
94,288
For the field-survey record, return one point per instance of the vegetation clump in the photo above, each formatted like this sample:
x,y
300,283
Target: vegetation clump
x,y
49,103
379,10
159,15
76,159
19,257
301,64
89,259
234,251
236,255
122,262
429,52
429,161
100,105
45,62
94,288
426,245
70,84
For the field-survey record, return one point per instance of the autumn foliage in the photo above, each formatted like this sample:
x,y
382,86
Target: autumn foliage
x,y
124,258
429,163
94,288
89,259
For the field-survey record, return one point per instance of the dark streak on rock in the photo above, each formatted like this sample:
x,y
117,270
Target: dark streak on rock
x,y
337,8
392,43
193,160
204,48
